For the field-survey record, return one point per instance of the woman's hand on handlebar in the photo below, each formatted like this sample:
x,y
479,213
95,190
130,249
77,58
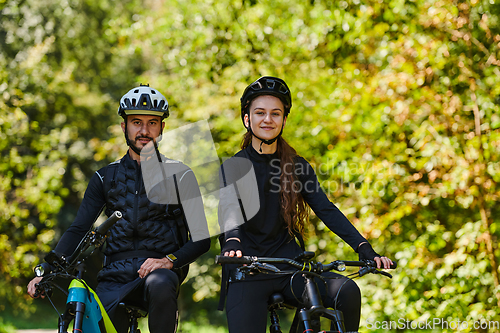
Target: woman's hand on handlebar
x,y
383,262
232,248
366,251
32,287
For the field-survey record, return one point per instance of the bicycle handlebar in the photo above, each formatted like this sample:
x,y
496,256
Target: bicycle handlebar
x,y
366,263
103,227
56,263
233,260
96,237
247,260
92,238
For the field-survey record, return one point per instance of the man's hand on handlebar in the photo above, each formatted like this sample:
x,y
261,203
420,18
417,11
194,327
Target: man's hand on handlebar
x,y
32,287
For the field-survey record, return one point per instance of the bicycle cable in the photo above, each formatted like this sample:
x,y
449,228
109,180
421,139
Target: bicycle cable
x,y
54,306
306,272
338,292
81,250
348,278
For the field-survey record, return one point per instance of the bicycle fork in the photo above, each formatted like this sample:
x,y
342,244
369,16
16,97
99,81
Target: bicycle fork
x,y
74,310
314,308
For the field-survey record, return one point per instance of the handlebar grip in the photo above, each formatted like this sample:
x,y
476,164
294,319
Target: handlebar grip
x,y
103,227
372,263
233,260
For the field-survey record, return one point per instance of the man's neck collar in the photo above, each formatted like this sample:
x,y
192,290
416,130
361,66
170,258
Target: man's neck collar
x,y
134,156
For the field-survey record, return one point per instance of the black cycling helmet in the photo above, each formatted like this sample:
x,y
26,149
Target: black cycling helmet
x,y
266,85
143,100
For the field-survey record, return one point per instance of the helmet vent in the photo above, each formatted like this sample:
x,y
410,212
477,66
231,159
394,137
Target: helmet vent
x,y
256,86
270,84
266,85
142,100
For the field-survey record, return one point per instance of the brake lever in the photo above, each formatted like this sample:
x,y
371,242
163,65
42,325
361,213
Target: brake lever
x,y
367,270
36,294
267,267
257,266
45,291
383,273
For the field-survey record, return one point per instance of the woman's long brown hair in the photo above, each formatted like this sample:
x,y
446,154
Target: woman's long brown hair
x,y
293,206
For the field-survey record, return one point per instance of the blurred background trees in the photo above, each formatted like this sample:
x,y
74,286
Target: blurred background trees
x,y
395,104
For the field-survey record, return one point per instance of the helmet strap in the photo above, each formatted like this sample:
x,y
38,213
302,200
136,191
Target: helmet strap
x,y
133,147
158,155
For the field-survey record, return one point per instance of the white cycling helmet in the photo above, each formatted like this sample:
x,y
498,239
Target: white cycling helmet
x,y
143,100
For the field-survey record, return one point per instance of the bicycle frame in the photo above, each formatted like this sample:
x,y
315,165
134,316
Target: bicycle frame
x,y
84,307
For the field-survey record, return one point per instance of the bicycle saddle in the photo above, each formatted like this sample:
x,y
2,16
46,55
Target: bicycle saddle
x,y
277,301
138,311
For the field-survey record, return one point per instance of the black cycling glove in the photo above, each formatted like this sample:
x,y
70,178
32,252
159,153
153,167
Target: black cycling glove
x,y
366,251
231,245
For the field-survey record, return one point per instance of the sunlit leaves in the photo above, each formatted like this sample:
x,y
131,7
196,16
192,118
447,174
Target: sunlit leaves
x,y
395,103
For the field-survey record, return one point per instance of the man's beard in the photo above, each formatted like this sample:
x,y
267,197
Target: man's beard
x,y
134,143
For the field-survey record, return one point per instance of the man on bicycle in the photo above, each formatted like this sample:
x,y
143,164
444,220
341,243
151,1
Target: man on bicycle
x,y
148,251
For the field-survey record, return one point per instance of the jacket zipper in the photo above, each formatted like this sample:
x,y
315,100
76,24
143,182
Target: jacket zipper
x,y
136,211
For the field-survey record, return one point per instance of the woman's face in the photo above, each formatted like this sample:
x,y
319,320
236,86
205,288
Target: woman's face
x,y
266,116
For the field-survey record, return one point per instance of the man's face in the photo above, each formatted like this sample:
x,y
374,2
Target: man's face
x,y
142,129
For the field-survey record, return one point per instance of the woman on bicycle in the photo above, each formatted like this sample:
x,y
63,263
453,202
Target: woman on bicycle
x,y
286,182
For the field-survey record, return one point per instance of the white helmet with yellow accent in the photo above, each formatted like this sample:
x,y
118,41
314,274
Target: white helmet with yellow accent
x,y
143,100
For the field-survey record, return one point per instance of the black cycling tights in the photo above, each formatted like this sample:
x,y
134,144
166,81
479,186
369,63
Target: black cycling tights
x,y
246,306
157,293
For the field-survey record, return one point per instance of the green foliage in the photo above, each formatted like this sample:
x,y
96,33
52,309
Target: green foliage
x,y
53,118
395,104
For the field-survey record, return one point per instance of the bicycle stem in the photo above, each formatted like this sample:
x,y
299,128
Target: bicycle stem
x,y
80,269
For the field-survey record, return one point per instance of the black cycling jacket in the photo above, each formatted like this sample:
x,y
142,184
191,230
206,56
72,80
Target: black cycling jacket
x,y
144,227
265,234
